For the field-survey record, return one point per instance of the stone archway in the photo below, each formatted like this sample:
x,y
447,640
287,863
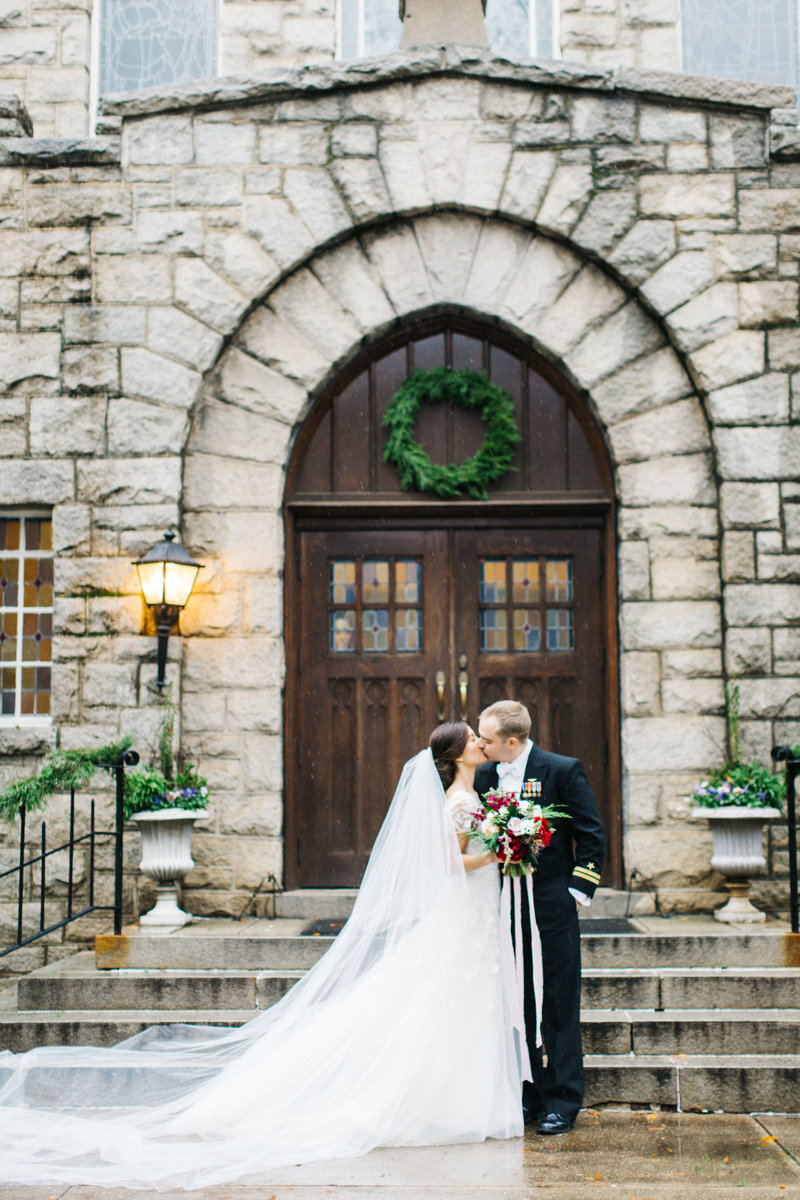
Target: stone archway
x,y
406,609
611,351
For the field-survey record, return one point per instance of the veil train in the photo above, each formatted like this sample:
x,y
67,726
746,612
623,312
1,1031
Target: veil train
x,y
398,1036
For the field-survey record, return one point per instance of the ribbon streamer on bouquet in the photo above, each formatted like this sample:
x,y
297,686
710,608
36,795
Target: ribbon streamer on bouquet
x,y
513,962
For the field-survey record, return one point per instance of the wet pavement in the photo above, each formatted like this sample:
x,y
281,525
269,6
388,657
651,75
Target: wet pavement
x,y
610,1153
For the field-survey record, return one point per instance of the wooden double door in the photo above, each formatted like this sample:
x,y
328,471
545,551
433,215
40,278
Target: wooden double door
x,y
398,629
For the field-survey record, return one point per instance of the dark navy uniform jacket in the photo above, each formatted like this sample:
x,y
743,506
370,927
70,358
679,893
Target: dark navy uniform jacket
x,y
577,846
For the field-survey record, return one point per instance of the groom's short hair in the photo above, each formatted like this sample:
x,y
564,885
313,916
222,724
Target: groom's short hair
x,y
513,719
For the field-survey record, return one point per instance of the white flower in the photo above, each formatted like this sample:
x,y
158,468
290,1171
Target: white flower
x,y
516,826
488,826
537,812
529,826
503,810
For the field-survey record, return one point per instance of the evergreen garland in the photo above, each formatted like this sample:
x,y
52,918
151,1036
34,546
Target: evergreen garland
x,y
462,389
62,770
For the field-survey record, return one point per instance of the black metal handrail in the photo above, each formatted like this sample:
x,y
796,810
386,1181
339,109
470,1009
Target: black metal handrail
x,y
785,754
129,758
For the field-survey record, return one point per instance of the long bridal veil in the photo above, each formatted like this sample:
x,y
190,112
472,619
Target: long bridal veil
x,y
398,1036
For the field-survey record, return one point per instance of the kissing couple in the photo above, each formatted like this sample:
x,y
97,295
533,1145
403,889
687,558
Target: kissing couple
x,y
406,1032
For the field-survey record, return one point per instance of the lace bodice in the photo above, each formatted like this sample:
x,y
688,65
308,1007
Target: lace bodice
x,y
459,808
483,885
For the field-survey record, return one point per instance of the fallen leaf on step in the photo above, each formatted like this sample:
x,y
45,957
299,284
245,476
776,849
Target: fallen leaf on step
x,y
768,1137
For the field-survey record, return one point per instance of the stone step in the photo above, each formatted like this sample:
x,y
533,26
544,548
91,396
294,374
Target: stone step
x,y
771,947
681,1032
719,1036
74,983
309,903
691,987
742,1083
200,952
20,1031
278,944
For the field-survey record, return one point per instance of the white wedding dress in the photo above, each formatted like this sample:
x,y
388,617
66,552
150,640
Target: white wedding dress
x,y
400,1035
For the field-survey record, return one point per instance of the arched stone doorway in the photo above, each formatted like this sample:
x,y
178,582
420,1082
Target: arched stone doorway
x,y
403,609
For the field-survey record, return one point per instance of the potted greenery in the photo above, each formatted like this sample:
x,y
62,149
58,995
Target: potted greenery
x,y
164,804
736,800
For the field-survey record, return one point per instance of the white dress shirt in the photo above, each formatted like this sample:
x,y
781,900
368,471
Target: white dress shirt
x,y
510,777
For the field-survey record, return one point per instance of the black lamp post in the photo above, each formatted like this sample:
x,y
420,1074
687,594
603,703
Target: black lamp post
x,y
167,574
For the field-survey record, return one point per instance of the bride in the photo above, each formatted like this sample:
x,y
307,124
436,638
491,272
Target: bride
x,y
399,1036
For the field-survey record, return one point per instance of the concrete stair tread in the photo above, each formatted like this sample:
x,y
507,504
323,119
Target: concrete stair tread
x,y
789,1016
729,1061
696,972
153,1016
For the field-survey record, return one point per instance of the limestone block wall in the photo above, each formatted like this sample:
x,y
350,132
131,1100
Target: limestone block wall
x,y
630,33
45,56
46,50
258,34
170,314
46,47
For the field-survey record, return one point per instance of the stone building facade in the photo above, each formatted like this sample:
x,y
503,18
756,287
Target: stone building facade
x,y
182,294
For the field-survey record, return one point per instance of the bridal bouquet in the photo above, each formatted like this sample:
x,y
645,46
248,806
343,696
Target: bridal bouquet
x,y
515,827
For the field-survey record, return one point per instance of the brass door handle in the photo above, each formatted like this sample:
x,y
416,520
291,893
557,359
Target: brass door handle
x,y
440,685
463,687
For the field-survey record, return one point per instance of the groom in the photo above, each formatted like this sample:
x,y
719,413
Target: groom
x,y
566,876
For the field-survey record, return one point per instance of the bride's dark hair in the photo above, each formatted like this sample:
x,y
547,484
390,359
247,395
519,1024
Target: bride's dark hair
x,y
447,742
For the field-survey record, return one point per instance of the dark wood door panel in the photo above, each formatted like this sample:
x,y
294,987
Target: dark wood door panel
x,y
563,688
362,712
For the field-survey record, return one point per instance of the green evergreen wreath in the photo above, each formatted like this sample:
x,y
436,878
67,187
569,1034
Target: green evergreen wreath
x,y
463,389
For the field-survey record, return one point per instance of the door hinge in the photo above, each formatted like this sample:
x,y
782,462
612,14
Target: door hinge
x,y
298,852
299,564
299,660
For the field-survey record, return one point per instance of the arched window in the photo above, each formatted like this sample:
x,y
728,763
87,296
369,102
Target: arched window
x,y
143,43
748,39
527,27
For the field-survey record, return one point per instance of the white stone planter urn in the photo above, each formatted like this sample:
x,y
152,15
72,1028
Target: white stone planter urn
x,y
167,858
737,835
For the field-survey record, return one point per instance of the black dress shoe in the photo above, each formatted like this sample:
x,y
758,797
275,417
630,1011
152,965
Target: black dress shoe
x,y
555,1123
530,1116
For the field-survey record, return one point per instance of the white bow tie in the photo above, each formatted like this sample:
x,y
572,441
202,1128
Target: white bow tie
x,y
505,769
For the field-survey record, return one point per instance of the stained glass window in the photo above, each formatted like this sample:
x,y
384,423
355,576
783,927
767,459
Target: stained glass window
x,y
343,582
559,629
375,581
525,576
408,630
343,631
516,27
559,581
376,630
375,605
522,618
494,631
492,580
149,42
408,581
526,630
26,615
745,39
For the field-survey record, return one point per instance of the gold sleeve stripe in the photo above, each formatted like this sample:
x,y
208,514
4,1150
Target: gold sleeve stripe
x,y
585,873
